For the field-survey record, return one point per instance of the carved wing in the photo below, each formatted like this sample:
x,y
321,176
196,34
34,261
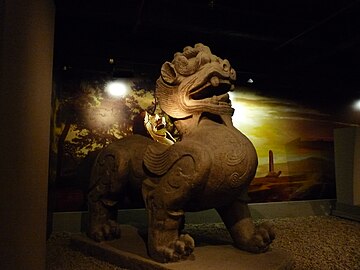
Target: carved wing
x,y
159,158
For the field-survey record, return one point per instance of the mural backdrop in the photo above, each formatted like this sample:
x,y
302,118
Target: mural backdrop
x,y
294,143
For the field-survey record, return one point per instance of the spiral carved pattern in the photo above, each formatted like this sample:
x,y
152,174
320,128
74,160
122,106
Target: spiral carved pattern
x,y
235,180
234,157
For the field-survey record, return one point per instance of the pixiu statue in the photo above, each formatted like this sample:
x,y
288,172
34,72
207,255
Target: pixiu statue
x,y
210,166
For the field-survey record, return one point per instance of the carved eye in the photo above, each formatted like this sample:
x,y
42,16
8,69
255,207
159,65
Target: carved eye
x,y
186,66
204,58
181,61
189,52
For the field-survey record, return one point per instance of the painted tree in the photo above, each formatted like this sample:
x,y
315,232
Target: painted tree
x,y
87,119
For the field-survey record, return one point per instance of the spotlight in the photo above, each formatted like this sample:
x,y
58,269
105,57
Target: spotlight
x,y
116,88
356,105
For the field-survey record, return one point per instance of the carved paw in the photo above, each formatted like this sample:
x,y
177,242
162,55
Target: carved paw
x,y
106,231
260,240
176,250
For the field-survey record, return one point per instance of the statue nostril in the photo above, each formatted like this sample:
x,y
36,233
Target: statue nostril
x,y
226,65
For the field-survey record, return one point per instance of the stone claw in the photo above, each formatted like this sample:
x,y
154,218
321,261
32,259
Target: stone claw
x,y
177,250
185,244
261,239
106,231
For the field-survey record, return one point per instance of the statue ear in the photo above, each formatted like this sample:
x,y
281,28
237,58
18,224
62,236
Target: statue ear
x,y
168,72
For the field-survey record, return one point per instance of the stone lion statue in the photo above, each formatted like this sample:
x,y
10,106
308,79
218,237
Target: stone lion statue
x,y
211,166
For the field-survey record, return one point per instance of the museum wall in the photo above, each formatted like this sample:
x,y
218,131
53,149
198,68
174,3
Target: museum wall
x,y
294,142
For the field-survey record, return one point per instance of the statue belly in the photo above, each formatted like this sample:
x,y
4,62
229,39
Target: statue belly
x,y
234,163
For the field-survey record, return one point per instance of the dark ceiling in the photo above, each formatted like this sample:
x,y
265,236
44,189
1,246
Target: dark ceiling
x,y
308,50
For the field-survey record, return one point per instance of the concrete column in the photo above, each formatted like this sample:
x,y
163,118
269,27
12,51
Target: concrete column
x,y
26,53
347,170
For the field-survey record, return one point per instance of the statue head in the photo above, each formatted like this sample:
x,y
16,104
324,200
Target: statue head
x,y
195,81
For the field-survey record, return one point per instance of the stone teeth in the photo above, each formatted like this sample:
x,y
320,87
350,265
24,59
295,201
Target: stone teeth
x,y
214,99
223,103
215,81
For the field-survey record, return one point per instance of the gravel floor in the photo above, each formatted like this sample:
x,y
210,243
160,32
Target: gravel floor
x,y
317,243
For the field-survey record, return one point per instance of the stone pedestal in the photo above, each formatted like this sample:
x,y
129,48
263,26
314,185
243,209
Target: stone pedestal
x,y
347,169
130,252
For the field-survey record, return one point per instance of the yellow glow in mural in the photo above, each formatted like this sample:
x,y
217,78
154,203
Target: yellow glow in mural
x,y
116,88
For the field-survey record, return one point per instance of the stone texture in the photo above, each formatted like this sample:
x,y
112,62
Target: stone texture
x,y
211,166
130,252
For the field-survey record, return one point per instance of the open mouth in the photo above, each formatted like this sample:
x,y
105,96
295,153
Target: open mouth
x,y
216,90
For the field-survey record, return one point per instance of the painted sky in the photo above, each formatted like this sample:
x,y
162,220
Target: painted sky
x,y
272,123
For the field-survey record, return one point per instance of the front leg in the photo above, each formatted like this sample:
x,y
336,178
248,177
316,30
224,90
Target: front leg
x,y
165,199
165,242
243,231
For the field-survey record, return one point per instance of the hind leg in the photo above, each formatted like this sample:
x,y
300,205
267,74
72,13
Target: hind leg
x,y
243,231
108,180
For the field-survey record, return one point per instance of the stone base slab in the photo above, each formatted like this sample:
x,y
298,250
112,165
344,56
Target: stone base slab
x,y
130,252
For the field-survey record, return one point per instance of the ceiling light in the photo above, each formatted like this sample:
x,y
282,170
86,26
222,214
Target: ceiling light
x,y
250,80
